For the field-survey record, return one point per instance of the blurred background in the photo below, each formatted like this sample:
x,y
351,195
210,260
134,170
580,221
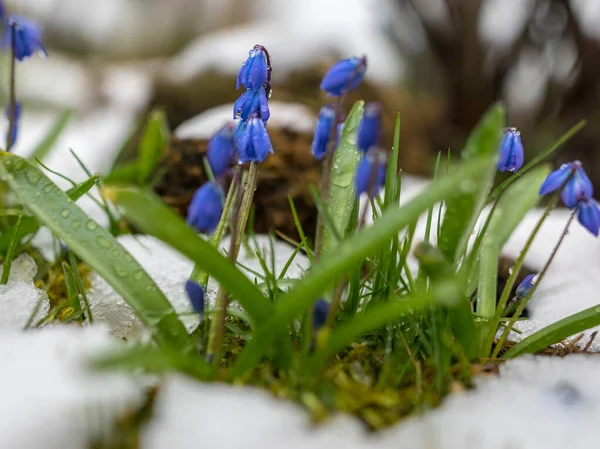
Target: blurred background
x,y
440,63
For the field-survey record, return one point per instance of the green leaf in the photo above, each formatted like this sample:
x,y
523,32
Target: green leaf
x,y
153,360
512,207
347,256
127,172
152,216
50,139
463,208
79,190
94,245
154,140
29,225
342,197
556,332
10,254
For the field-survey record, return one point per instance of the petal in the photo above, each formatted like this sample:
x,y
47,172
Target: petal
x,y
240,103
525,286
260,140
344,76
363,172
588,214
319,313
556,179
263,105
369,127
578,187
242,141
220,150
195,294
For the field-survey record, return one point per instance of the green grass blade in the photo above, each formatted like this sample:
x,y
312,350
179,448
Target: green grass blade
x,y
463,208
79,190
391,180
374,318
29,225
10,254
342,196
154,140
556,332
44,147
347,256
94,245
512,207
152,216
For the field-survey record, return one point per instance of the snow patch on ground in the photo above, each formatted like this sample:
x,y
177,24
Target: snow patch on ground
x,y
20,297
49,398
170,270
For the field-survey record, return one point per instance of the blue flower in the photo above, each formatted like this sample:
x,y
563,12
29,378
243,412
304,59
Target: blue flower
x,y
578,186
221,149
252,102
319,314
252,140
195,294
511,151
28,37
525,286
15,129
255,71
588,214
369,127
370,175
206,208
344,76
323,131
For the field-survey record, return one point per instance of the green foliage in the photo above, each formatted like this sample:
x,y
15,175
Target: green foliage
x,y
342,203
94,245
465,205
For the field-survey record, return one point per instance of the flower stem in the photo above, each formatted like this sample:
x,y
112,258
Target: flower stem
x,y
12,96
326,174
525,300
238,227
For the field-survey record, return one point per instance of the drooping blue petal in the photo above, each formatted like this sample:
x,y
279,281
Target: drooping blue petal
x,y
252,102
371,173
588,214
221,149
344,76
525,286
578,187
254,72
510,157
252,141
195,294
319,314
15,129
260,140
323,131
557,178
369,127
206,207
27,37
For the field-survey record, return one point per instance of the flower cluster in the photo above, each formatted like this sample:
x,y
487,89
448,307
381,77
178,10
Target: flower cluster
x,y
576,192
248,142
340,79
370,175
24,38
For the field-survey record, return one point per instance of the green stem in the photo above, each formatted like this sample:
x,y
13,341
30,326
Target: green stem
x,y
525,300
238,228
12,96
197,274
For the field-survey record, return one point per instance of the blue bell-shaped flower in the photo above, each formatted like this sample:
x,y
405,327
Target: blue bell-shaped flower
x,y
344,76
206,207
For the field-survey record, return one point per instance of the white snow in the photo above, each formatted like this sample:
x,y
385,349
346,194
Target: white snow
x,y
49,398
170,270
19,297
